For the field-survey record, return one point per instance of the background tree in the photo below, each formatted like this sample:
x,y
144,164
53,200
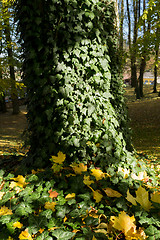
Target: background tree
x,y
74,84
8,59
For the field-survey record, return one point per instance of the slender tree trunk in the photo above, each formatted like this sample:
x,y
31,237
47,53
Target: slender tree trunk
x,y
142,69
134,49
129,43
121,27
143,58
156,59
14,94
155,73
2,98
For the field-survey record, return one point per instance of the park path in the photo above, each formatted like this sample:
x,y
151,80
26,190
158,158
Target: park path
x,y
11,130
145,124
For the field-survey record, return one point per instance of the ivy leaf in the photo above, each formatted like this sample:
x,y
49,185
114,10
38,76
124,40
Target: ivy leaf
x,y
23,209
112,193
62,235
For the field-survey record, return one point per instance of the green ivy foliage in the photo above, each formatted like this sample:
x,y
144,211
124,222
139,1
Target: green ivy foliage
x,y
72,73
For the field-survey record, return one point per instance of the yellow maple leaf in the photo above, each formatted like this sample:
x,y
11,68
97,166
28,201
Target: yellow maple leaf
x,y
25,235
112,193
58,159
70,196
18,182
130,198
142,197
79,168
17,225
5,211
50,205
123,222
155,197
97,173
87,180
134,234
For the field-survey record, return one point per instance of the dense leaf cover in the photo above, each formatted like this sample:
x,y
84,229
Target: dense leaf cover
x,y
79,202
72,72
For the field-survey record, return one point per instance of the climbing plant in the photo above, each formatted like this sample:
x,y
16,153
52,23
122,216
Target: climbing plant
x,y
72,73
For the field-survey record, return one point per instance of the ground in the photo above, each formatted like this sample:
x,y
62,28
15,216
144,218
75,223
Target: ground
x,y
11,131
144,115
145,120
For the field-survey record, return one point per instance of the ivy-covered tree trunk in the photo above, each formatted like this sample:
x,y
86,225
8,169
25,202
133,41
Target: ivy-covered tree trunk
x,y
74,85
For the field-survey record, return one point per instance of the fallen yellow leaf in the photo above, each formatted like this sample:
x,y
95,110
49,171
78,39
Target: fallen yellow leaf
x,y
25,235
96,195
87,180
123,222
50,205
70,196
5,211
17,225
155,197
79,168
142,197
58,159
18,182
97,173
131,199
112,193
134,234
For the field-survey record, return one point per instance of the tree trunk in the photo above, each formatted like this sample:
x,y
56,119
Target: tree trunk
x,y
121,27
156,60
155,74
71,94
134,49
142,69
14,94
144,52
